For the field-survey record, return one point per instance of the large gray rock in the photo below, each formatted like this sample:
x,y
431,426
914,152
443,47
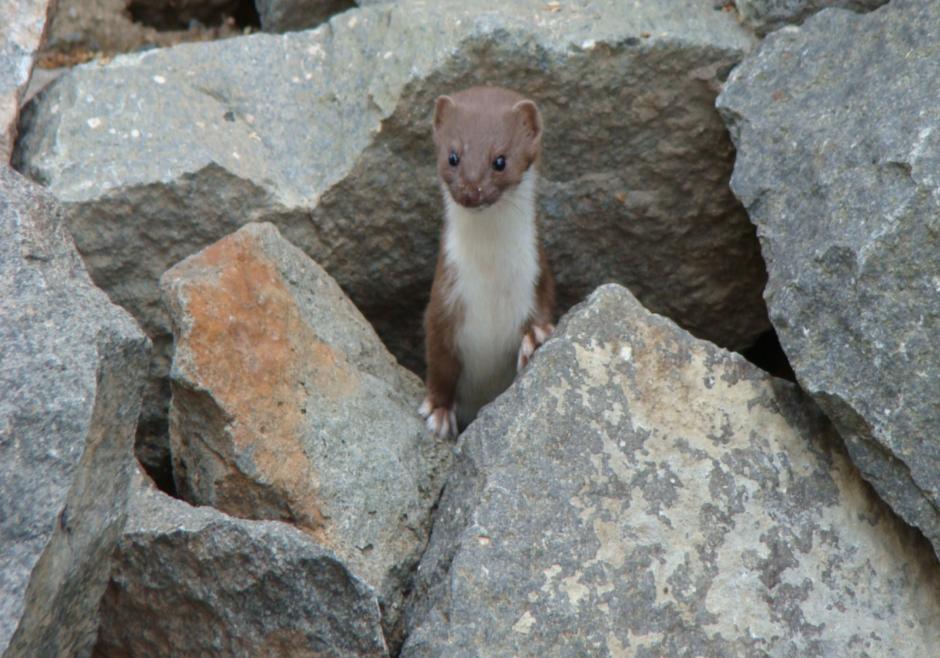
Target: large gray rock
x,y
71,370
327,134
287,406
21,33
838,133
638,492
190,581
765,16
289,15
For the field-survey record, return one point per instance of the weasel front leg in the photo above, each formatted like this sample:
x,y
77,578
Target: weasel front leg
x,y
540,326
439,408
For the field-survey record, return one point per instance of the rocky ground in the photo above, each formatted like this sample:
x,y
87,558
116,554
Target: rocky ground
x,y
213,261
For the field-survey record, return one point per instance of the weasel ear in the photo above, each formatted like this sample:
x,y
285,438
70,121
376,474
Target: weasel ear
x,y
443,108
530,119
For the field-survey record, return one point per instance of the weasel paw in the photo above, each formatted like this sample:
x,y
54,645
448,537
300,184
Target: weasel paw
x,y
531,341
441,421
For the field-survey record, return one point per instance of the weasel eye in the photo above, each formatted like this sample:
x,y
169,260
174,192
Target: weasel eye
x,y
499,163
454,159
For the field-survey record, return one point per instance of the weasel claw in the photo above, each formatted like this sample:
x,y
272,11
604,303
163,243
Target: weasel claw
x,y
531,341
441,421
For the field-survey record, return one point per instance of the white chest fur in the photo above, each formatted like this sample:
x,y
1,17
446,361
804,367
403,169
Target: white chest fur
x,y
494,256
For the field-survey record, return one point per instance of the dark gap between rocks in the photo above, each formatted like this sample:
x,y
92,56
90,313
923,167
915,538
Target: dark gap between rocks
x,y
158,466
246,15
767,354
239,14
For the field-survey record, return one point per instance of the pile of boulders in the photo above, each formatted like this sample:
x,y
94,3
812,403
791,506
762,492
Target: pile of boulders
x,y
220,240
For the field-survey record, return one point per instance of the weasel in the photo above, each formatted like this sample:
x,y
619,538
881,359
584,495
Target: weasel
x,y
493,295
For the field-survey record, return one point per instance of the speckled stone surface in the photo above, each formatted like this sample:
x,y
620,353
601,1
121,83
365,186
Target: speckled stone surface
x,y
327,134
72,366
765,16
293,15
639,492
287,406
838,132
191,581
21,32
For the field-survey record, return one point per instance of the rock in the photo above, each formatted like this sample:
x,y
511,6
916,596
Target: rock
x,y
177,14
21,33
287,406
289,15
71,369
838,133
327,134
191,581
638,492
40,79
765,16
81,29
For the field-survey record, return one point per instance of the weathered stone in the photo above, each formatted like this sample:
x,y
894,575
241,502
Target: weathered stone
x,y
191,581
21,33
39,80
83,27
71,369
286,405
177,14
765,16
327,134
638,492
289,15
838,133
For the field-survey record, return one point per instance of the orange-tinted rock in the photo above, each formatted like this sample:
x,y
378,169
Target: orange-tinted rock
x,y
248,345
287,406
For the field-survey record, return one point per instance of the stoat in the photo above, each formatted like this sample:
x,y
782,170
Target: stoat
x,y
493,294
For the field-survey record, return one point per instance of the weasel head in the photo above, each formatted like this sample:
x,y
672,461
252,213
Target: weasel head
x,y
486,139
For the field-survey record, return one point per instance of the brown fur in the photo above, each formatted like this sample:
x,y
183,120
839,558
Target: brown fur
x,y
441,321
440,327
507,124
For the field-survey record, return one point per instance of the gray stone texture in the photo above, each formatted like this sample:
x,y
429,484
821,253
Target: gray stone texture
x,y
191,581
764,16
326,134
79,29
287,406
292,15
638,492
21,32
71,370
838,132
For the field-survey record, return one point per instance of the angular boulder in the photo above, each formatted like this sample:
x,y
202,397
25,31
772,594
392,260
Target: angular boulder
x,y
326,134
838,133
638,492
80,29
71,370
21,34
191,581
764,16
291,15
287,406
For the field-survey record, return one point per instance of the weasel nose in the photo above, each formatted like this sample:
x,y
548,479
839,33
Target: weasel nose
x,y
470,196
